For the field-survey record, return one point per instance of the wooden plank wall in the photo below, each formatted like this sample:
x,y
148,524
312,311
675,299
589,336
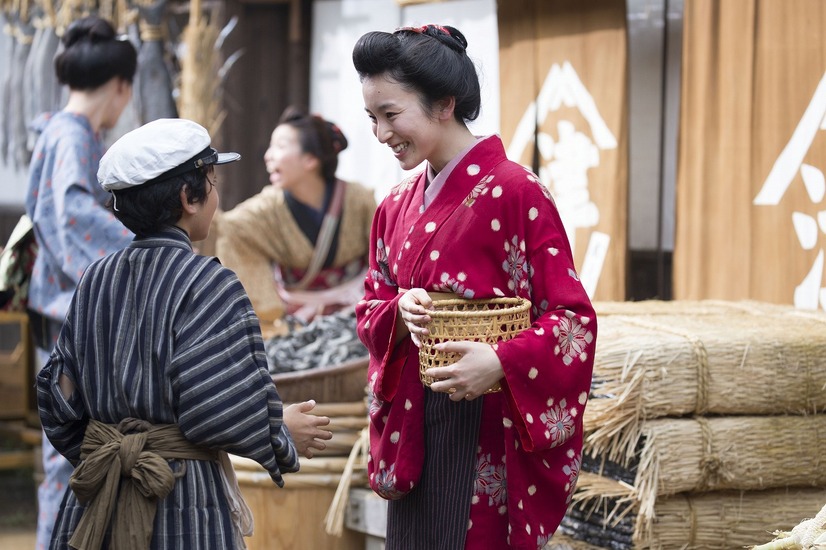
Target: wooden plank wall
x,y
272,73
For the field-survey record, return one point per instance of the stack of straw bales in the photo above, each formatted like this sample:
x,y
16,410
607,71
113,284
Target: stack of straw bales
x,y
706,426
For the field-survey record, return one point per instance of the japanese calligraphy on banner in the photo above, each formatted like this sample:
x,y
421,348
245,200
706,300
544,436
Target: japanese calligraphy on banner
x,y
563,93
751,220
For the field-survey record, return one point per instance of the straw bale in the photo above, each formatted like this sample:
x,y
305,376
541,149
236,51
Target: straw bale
x,y
715,519
744,453
690,307
670,364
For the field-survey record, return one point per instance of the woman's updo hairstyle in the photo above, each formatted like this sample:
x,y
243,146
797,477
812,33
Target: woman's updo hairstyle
x,y
318,137
430,60
93,54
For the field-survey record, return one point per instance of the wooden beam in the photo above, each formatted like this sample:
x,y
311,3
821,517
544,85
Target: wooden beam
x,y
414,2
21,432
11,460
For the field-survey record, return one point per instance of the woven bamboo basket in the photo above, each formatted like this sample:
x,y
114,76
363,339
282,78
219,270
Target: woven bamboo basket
x,y
651,366
606,511
454,320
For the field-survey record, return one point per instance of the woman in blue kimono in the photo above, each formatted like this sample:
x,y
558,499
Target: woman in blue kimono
x,y
66,205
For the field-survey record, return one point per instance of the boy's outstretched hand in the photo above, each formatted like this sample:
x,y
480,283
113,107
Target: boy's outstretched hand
x,y
305,428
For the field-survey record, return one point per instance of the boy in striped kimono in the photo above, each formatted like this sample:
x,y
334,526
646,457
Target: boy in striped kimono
x,y
159,369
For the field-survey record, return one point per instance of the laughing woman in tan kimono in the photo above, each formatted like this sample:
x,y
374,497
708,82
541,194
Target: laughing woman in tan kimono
x,y
300,246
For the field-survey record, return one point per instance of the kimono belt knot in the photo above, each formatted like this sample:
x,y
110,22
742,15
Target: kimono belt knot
x,y
125,469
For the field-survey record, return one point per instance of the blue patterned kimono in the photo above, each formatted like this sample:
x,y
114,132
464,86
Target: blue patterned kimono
x,y
158,333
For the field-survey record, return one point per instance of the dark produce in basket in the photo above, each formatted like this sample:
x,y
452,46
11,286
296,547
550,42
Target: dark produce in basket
x,y
328,340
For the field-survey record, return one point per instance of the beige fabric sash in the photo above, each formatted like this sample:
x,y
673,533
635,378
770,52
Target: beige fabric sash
x,y
135,450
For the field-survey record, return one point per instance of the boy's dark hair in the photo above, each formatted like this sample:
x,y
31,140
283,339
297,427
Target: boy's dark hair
x,y
93,54
318,137
153,206
430,60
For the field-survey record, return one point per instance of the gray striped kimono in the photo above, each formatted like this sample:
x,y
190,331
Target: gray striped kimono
x,y
158,333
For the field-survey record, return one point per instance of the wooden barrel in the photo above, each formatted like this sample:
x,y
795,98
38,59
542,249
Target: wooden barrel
x,y
293,516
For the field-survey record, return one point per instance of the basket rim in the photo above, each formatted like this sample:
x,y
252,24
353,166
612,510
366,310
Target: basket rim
x,y
519,305
323,372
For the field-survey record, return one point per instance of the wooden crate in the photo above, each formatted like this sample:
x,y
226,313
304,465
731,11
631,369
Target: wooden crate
x,y
16,366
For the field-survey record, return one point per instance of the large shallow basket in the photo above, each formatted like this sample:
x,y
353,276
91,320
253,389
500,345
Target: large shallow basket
x,y
490,321
328,384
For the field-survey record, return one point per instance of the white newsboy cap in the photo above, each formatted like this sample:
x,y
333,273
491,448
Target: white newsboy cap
x,y
157,151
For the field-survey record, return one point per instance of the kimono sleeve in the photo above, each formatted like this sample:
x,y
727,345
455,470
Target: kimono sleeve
x,y
224,395
548,367
87,230
247,242
63,419
376,317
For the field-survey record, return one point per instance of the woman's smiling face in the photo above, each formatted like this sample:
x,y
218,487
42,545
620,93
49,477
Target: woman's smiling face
x,y
400,120
287,164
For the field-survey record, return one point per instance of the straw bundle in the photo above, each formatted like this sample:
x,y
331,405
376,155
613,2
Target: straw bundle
x,y
689,307
203,69
744,453
650,366
717,519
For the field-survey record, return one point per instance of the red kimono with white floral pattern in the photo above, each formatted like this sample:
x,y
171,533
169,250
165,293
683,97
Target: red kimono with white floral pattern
x,y
493,230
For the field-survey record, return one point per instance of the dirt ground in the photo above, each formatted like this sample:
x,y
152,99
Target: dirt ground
x,y
18,509
18,501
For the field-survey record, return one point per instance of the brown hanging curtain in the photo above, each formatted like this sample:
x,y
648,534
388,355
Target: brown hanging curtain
x,y
563,72
750,184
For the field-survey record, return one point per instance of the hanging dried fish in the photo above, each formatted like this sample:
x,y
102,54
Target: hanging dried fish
x,y
45,91
153,78
18,151
9,43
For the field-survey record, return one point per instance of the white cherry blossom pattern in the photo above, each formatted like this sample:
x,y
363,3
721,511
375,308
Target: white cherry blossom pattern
x,y
384,482
559,423
545,191
572,471
490,481
573,338
403,187
382,275
375,404
455,285
516,265
478,190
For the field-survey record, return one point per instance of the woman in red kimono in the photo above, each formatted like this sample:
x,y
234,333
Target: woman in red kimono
x,y
464,469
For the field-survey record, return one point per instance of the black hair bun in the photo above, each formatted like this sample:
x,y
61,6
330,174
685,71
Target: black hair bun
x,y
89,29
